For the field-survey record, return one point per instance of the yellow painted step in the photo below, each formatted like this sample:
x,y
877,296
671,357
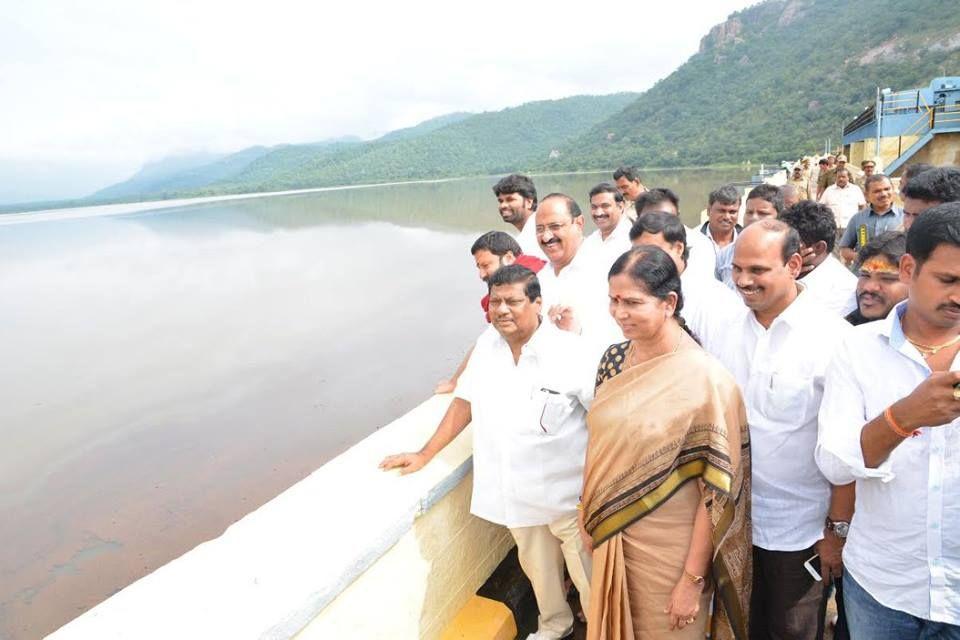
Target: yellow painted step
x,y
481,619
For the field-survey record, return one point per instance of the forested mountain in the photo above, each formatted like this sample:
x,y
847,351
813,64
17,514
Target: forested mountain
x,y
774,81
455,144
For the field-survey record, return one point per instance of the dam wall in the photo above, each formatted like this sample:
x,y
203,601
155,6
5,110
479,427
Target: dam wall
x,y
348,552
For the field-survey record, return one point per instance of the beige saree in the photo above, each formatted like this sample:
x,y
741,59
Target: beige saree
x,y
664,436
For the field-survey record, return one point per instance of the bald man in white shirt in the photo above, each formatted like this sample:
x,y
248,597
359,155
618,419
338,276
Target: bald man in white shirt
x,y
778,350
890,421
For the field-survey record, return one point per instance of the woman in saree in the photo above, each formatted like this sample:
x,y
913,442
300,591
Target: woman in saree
x,y
666,496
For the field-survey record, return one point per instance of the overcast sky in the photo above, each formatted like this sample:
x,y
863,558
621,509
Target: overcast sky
x,y
91,91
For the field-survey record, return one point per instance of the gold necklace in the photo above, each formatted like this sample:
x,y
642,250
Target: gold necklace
x,y
928,351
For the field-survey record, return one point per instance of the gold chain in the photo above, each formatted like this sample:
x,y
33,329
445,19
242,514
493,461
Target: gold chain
x,y
928,351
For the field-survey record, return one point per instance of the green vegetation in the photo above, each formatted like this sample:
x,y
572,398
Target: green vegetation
x,y
774,81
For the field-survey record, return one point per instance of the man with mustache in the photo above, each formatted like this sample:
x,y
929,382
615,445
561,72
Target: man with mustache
x,y
827,280
878,283
843,197
574,285
723,208
928,189
890,422
628,182
517,202
526,390
764,201
778,349
880,216
612,236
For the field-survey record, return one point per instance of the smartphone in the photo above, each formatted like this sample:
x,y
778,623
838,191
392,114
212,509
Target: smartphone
x,y
812,565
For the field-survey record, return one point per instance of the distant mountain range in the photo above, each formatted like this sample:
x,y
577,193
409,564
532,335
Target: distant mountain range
x,y
771,82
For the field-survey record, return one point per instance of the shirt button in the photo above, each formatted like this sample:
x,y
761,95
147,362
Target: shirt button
x,y
934,526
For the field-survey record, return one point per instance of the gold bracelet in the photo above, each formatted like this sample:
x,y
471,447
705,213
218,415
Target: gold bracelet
x,y
697,580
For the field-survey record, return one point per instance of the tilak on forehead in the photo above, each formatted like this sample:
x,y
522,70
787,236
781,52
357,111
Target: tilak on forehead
x,y
879,264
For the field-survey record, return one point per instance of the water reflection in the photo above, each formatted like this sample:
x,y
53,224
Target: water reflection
x,y
165,373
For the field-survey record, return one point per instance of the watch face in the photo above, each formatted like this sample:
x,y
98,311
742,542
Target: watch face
x,y
841,529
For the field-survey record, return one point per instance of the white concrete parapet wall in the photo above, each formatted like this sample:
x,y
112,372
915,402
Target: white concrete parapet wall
x,y
349,552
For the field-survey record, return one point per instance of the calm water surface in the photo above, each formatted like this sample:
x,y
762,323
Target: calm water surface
x,y
165,373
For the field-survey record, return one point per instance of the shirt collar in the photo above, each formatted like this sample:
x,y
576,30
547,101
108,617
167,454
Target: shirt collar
x,y
891,328
873,212
538,342
793,315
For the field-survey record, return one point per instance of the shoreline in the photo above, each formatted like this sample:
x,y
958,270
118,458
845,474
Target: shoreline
x,y
72,211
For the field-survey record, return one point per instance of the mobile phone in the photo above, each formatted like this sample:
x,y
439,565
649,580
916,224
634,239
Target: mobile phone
x,y
812,565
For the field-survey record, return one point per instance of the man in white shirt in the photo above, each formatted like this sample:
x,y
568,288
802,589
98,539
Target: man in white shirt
x,y
628,182
890,421
703,259
827,280
928,189
526,390
517,202
612,237
844,198
778,351
574,287
708,306
764,201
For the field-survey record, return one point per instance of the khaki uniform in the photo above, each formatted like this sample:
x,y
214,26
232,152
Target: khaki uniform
x,y
826,179
800,184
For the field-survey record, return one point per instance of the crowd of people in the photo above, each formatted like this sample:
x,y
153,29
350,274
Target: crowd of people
x,y
711,429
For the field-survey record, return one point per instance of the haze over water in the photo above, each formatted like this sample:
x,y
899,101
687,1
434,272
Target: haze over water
x,y
167,372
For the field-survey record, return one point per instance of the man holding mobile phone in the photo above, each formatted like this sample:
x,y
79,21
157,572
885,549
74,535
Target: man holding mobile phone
x,y
890,422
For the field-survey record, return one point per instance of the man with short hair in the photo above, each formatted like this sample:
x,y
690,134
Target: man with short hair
x,y
778,351
764,202
843,197
628,182
880,216
703,259
829,177
799,182
574,288
723,209
492,250
878,284
706,302
612,237
867,168
790,196
517,202
827,280
890,421
910,172
526,391
658,199
928,189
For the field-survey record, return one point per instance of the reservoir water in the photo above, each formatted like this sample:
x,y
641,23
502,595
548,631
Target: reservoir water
x,y
166,372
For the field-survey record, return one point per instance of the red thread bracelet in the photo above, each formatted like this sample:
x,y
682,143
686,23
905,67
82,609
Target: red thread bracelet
x,y
896,428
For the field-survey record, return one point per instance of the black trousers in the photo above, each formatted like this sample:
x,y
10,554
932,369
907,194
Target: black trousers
x,y
786,602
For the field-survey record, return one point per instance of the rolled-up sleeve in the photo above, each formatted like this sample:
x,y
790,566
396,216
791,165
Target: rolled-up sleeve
x,y
842,416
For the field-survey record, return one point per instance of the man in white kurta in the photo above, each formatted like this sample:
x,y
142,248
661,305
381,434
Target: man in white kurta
x,y
826,278
844,198
612,237
526,390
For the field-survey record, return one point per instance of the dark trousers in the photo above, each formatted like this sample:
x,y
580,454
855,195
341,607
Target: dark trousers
x,y
786,600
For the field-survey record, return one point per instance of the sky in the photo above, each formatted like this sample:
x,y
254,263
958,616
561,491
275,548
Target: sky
x,y
92,91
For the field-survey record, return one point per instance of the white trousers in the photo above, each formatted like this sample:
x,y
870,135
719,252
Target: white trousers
x,y
542,551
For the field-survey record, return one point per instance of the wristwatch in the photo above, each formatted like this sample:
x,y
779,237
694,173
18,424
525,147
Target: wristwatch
x,y
840,528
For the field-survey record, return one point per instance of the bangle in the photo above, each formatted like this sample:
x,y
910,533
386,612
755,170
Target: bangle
x,y
697,580
896,428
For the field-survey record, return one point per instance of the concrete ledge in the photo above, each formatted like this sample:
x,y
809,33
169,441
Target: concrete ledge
x,y
482,619
276,572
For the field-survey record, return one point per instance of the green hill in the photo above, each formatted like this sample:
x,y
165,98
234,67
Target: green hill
x,y
774,81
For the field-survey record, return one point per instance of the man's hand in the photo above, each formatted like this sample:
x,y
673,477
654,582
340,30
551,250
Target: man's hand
x,y
931,404
808,254
564,318
830,548
406,462
585,537
445,386
848,255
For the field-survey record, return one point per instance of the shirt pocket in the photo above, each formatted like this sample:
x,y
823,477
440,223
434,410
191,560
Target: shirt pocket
x,y
787,398
555,410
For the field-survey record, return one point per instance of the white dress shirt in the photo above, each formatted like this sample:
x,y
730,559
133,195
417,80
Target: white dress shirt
x,y
709,309
529,425
582,285
604,252
703,255
904,541
527,238
780,371
843,202
833,285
